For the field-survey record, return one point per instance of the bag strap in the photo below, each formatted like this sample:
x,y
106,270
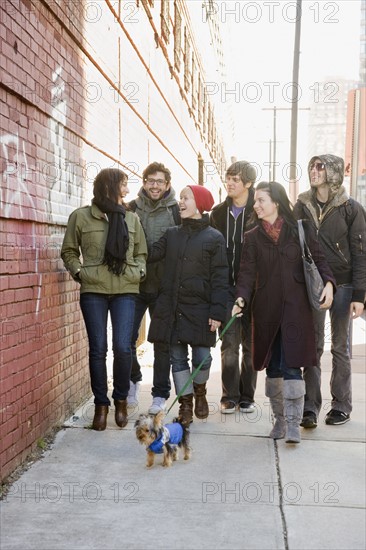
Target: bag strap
x,y
305,250
176,214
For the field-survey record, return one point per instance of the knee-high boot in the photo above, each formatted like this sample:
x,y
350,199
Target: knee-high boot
x,y
274,390
293,393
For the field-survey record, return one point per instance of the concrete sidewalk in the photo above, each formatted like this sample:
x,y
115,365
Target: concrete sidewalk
x,y
240,490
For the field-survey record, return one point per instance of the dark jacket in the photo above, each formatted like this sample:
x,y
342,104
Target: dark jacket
x,y
341,229
194,285
272,274
155,218
222,219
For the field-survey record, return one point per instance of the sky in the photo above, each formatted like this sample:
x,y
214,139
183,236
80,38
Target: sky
x,y
259,42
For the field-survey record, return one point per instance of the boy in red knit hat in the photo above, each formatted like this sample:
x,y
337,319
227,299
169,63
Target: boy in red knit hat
x,y
192,302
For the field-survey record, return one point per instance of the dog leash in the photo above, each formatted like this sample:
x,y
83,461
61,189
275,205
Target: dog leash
x,y
196,371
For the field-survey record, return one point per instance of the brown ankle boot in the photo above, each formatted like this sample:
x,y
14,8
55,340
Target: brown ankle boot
x,y
100,418
120,413
185,414
201,405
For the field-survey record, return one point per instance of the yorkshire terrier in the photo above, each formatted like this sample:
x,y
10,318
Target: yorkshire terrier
x,y
159,438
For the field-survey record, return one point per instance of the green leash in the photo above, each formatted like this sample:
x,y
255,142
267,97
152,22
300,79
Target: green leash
x,y
196,371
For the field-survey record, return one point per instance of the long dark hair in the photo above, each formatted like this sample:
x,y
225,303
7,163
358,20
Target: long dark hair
x,y
107,184
279,196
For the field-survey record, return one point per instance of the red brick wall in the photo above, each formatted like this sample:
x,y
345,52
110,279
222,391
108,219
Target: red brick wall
x,y
44,366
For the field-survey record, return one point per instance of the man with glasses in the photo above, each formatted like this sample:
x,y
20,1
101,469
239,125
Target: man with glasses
x,y
232,219
157,209
340,224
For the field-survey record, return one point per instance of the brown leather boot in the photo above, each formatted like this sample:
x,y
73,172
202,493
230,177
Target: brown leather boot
x,y
120,413
200,401
100,418
185,414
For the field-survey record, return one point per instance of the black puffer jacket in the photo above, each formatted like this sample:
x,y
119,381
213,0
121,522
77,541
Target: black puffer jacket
x,y
222,219
194,286
340,226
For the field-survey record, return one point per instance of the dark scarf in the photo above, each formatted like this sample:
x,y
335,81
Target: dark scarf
x,y
118,238
274,230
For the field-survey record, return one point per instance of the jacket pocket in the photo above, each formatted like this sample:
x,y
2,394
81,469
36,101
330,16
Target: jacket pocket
x,y
90,275
132,273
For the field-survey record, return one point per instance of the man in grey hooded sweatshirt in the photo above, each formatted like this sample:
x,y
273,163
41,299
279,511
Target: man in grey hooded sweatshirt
x,y
157,209
340,224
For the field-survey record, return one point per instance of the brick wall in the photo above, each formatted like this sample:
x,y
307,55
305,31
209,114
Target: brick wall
x,y
44,366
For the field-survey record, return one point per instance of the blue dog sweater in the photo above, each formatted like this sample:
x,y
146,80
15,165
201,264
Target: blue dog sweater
x,y
171,433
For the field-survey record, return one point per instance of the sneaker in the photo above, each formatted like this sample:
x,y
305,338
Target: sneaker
x,y
157,405
245,407
309,420
228,407
133,394
333,418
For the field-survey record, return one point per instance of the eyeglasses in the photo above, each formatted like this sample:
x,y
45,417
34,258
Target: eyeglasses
x,y
152,182
319,166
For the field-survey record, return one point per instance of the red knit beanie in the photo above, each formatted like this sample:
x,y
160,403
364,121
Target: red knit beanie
x,y
203,198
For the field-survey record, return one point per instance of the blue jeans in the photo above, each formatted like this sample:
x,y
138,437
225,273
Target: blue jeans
x,y
161,376
95,309
181,369
340,381
278,367
238,381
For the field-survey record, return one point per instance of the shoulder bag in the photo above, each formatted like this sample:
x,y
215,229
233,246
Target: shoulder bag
x,y
314,282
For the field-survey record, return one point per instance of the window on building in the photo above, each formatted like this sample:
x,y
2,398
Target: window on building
x,y
165,20
204,112
177,37
146,3
200,97
200,169
187,61
194,83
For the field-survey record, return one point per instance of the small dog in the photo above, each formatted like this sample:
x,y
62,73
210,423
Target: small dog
x,y
159,438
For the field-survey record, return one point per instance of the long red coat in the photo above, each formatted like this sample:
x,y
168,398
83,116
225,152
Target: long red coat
x,y
273,275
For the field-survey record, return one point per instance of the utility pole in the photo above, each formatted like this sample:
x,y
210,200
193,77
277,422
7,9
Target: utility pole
x,y
273,147
294,109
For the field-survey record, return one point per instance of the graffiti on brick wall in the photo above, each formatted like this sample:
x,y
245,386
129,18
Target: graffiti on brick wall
x,y
15,198
61,178
65,193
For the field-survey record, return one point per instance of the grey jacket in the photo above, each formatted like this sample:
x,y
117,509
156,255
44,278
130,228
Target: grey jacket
x,y
155,218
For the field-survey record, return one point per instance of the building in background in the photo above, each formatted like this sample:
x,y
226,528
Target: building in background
x,y
87,85
328,116
355,156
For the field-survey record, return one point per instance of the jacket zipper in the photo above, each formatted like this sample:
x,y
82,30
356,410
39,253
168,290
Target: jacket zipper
x,y
340,251
361,247
234,250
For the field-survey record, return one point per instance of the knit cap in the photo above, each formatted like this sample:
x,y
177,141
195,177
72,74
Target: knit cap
x,y
203,198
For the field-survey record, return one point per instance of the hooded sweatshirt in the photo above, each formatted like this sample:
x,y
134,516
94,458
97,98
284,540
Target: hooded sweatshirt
x,y
155,218
340,225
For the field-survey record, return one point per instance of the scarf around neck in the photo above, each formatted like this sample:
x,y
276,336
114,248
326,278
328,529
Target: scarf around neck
x,y
273,230
118,238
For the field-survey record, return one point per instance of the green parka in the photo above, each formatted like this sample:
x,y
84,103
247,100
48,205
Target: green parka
x,y
83,252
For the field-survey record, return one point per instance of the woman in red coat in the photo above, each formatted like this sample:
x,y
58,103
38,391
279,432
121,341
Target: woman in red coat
x,y
271,274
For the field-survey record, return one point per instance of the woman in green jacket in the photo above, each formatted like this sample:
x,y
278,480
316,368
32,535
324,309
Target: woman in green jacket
x,y
104,249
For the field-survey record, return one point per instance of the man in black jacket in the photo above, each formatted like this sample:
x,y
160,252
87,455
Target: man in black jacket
x,y
232,218
341,227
